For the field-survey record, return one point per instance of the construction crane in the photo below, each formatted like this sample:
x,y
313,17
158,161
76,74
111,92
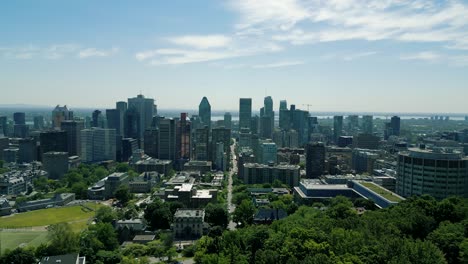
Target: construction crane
x,y
308,106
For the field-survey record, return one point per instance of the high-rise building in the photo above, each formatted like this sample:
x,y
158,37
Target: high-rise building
x,y
151,142
73,129
437,172
245,138
3,126
202,144
60,114
284,116
27,150
4,144
367,124
268,153
39,122
20,129
228,120
337,127
132,123
315,159
113,120
204,112
392,128
353,123
55,141
129,146
255,124
98,144
167,139
300,123
222,135
96,120
245,113
122,108
268,106
183,140
55,164
265,127
19,118
146,110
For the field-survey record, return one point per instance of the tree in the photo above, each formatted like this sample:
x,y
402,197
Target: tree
x,y
123,194
80,190
448,238
158,215
105,214
216,215
244,213
62,239
18,256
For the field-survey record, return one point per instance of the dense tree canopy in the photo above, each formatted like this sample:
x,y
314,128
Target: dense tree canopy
x,y
418,230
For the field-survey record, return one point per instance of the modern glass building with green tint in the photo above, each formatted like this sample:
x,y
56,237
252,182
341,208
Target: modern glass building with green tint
x,y
438,172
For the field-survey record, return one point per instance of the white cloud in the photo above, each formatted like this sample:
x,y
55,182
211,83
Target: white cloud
x,y
93,52
355,56
201,41
424,56
310,21
59,51
278,64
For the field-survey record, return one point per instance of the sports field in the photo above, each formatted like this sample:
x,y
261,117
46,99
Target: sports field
x,y
10,239
49,216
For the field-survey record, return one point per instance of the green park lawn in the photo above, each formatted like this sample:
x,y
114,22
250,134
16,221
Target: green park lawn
x,y
10,239
45,217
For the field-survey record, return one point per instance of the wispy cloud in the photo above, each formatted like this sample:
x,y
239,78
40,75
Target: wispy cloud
x,y
210,50
355,56
423,56
54,52
93,52
278,64
202,42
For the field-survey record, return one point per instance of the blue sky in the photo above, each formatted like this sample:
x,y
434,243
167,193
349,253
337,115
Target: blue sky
x,y
338,55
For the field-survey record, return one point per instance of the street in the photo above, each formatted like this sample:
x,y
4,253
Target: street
x,y
233,170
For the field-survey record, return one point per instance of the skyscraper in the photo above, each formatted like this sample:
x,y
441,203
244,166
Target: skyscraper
x,y
151,142
132,123
337,127
245,113
367,124
97,120
222,135
98,144
53,141
167,139
122,108
60,114
38,122
73,129
284,115
204,112
113,120
267,118
20,129
227,120
146,110
183,141
353,122
392,128
3,126
315,159
202,144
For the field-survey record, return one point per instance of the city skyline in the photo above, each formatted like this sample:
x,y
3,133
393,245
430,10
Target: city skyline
x,y
350,56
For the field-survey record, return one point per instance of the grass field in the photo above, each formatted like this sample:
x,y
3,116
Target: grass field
x,y
381,191
44,217
12,239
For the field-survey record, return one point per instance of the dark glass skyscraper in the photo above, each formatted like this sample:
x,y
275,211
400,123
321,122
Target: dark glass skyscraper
x,y
337,127
204,112
73,129
245,113
315,159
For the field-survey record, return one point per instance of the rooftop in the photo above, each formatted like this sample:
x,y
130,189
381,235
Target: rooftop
x,y
392,197
180,213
